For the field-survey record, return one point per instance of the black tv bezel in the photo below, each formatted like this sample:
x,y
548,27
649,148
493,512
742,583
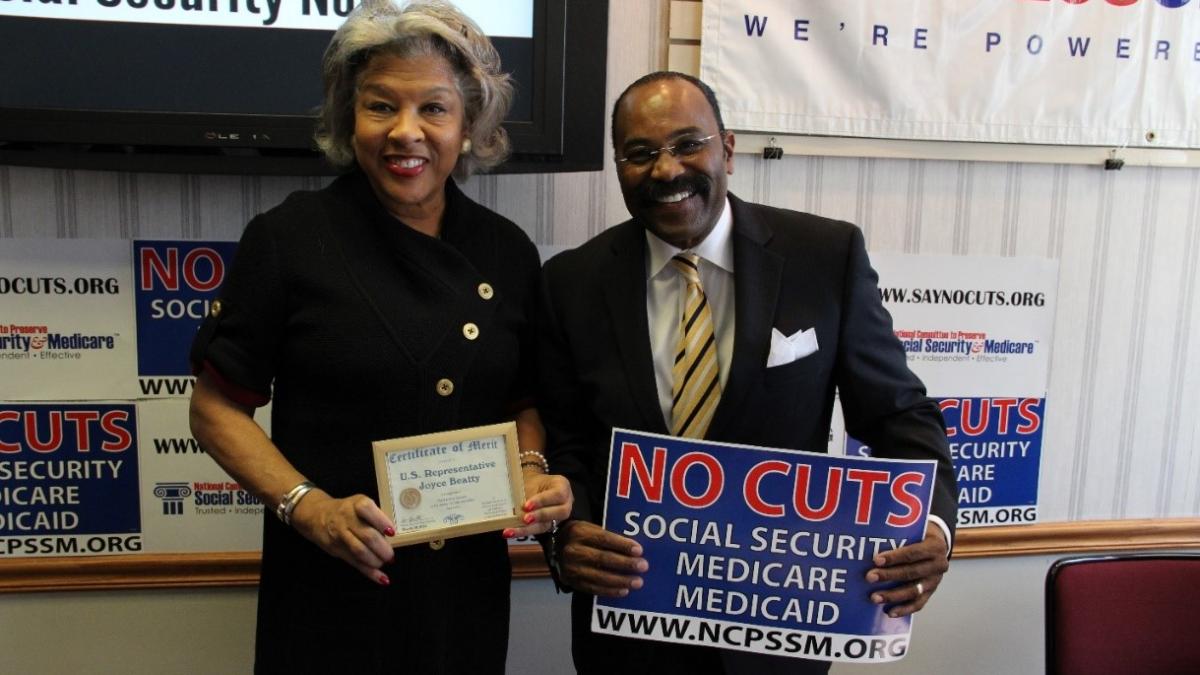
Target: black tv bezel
x,y
572,33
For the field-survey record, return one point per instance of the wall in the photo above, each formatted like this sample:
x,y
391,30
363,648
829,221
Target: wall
x,y
1124,372
186,632
986,618
1125,363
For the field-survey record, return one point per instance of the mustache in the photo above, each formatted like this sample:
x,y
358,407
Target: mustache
x,y
652,191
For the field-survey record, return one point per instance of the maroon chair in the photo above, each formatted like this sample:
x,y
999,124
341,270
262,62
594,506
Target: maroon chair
x,y
1137,613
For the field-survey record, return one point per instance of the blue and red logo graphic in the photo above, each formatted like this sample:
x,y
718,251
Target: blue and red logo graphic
x,y
172,496
1169,4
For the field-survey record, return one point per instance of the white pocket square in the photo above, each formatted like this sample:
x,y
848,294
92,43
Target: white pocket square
x,y
788,348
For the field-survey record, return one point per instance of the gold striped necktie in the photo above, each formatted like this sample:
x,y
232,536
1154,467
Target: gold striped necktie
x,y
696,385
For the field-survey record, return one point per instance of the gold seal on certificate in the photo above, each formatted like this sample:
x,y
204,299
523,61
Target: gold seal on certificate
x,y
450,484
410,498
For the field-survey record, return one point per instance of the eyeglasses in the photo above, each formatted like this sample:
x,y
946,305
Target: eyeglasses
x,y
685,147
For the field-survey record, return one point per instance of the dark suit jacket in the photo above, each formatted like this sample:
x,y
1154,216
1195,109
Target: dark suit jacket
x,y
793,271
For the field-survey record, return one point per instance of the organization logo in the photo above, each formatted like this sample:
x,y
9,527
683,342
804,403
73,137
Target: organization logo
x,y
216,498
172,496
40,341
960,345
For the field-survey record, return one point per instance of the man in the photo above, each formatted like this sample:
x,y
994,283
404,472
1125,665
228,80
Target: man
x,y
787,304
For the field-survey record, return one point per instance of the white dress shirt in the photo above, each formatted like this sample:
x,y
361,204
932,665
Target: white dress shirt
x,y
666,292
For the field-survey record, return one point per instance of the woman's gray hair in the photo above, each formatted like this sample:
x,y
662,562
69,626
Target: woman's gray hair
x,y
416,28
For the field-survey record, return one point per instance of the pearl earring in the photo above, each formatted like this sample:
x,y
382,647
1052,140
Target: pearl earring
x,y
466,146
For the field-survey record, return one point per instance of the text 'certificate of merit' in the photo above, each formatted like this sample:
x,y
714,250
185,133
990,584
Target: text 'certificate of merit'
x,y
451,483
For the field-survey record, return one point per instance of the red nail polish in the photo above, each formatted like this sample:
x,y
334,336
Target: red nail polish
x,y
529,506
508,534
384,580
529,518
389,531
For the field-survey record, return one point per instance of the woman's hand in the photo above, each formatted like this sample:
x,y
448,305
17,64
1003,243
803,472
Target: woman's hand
x,y
353,529
548,501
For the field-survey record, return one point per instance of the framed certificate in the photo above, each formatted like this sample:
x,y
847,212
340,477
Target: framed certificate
x,y
451,483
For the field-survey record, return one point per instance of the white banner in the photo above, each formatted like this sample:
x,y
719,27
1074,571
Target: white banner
x,y
497,18
1070,72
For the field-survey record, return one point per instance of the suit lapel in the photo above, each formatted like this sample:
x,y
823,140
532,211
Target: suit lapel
x,y
625,296
757,275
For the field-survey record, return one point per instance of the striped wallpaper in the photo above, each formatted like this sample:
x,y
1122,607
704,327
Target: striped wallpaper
x,y
1120,441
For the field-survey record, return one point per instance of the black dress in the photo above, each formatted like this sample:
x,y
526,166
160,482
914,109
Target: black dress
x,y
358,322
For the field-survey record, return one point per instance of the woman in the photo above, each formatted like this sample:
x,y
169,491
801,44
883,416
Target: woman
x,y
385,305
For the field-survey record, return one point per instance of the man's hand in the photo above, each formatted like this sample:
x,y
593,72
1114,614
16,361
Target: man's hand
x,y
596,561
917,567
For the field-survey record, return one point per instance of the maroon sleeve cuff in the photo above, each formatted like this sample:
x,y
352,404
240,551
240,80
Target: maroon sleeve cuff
x,y
235,392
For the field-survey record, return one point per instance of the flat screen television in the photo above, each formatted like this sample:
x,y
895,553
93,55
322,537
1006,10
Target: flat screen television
x,y
230,86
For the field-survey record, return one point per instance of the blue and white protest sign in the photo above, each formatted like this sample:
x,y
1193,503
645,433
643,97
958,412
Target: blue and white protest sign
x,y
760,549
176,282
68,479
995,444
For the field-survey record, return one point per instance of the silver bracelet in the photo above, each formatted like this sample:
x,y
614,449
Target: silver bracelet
x,y
538,460
290,500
